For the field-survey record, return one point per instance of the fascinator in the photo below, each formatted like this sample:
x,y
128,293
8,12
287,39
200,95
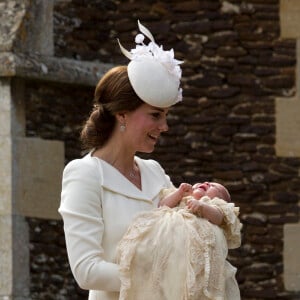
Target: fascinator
x,y
153,72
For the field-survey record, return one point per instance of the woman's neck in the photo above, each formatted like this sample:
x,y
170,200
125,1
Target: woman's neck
x,y
118,158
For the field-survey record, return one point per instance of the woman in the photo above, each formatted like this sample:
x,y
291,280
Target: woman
x,y
103,191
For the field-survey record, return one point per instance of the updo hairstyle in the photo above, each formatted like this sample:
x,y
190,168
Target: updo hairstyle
x,y
113,94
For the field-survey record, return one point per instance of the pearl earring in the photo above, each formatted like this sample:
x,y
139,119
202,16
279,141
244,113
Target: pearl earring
x,y
122,127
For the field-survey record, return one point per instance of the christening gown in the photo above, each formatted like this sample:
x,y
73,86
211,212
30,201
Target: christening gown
x,y
172,254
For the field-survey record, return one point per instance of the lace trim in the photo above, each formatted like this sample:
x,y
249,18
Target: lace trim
x,y
231,224
150,242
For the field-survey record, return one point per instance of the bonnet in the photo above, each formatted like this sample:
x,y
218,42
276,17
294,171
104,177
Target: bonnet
x,y
153,72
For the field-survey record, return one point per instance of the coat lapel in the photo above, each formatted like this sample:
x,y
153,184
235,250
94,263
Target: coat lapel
x,y
114,181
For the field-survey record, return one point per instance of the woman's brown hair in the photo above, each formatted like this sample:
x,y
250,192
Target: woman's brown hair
x,y
113,94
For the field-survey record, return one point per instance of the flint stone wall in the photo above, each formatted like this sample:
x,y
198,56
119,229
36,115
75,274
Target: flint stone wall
x,y
235,66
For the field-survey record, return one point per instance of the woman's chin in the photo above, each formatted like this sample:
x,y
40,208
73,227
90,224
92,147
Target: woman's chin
x,y
148,149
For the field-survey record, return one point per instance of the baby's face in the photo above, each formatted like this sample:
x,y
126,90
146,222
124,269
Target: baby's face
x,y
210,189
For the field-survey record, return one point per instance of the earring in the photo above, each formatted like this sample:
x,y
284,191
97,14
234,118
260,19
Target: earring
x,y
122,127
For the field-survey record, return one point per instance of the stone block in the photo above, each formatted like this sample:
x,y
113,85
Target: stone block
x,y
6,259
53,69
289,18
38,170
291,257
21,258
27,26
287,127
288,119
5,107
11,15
5,175
14,257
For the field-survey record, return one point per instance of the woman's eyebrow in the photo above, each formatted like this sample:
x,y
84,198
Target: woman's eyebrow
x,y
160,110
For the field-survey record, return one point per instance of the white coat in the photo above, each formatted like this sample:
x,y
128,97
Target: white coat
x,y
97,206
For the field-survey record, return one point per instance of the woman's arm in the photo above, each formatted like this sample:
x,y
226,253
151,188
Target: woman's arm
x,y
83,225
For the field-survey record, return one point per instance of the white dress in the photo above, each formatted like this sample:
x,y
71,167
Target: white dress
x,y
171,254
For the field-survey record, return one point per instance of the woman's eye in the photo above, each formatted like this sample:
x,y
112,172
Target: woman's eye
x,y
156,115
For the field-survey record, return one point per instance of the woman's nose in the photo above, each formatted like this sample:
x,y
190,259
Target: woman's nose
x,y
164,126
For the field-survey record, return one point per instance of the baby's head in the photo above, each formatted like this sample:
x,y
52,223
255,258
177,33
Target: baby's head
x,y
210,189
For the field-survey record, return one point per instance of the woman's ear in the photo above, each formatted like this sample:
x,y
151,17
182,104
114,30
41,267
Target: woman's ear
x,y
120,116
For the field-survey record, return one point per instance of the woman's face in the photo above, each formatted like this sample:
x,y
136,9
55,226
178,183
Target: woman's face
x,y
144,126
210,189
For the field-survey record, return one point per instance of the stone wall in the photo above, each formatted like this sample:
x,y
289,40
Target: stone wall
x,y
54,112
235,66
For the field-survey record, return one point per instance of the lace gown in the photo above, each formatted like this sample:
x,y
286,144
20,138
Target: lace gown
x,y
171,254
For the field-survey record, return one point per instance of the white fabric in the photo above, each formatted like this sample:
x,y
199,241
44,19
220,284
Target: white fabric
x,y
153,83
153,72
170,254
97,205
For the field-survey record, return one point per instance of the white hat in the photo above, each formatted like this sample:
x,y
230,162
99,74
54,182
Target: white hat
x,y
153,73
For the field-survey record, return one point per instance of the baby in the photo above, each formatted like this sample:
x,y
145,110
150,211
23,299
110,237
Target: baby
x,y
179,250
191,196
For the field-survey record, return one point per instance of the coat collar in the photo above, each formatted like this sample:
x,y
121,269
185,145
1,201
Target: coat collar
x,y
116,182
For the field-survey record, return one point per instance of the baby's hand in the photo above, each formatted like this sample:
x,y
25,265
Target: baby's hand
x,y
195,206
185,189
